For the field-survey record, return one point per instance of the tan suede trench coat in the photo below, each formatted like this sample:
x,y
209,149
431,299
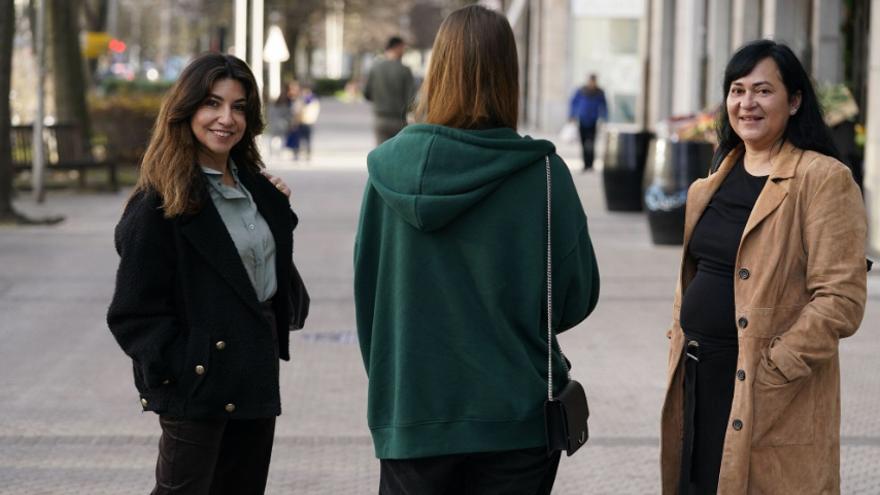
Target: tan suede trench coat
x,y
799,286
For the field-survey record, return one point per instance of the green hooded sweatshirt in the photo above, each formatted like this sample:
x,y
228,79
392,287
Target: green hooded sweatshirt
x,y
450,288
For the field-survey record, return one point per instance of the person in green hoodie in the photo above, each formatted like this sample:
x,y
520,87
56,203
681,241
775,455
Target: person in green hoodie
x,y
450,278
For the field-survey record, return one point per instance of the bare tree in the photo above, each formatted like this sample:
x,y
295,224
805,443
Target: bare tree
x,y
7,31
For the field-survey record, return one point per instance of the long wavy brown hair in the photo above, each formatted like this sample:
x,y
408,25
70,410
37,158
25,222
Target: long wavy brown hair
x,y
170,166
472,81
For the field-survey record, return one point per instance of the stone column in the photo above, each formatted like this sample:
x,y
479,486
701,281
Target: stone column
x,y
872,145
827,42
690,28
535,49
787,21
662,59
746,25
554,63
719,49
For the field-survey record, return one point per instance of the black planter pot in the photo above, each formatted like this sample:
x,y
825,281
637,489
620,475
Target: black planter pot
x,y
844,137
672,167
624,169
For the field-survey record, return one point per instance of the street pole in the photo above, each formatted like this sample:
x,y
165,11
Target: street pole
x,y
257,43
239,46
39,160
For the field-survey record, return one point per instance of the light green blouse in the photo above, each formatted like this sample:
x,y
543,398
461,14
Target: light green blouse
x,y
248,229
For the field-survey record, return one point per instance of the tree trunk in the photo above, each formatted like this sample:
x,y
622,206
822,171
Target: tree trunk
x,y
67,65
7,31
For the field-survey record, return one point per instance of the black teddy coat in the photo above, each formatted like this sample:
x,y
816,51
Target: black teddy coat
x,y
186,312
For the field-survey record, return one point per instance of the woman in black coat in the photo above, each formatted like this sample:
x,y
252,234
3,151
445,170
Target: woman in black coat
x,y
204,299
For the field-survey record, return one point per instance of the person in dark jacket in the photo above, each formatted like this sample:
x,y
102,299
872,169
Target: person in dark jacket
x,y
450,265
587,107
390,87
203,298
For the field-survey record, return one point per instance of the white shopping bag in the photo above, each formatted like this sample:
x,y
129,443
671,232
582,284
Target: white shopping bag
x,y
569,133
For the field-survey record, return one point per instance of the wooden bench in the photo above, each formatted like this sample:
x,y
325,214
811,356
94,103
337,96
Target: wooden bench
x,y
63,150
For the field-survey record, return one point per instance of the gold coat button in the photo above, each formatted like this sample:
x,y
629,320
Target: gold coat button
x,y
230,407
200,370
144,402
220,345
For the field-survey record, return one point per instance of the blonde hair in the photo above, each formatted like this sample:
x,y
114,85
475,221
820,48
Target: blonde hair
x,y
169,166
473,78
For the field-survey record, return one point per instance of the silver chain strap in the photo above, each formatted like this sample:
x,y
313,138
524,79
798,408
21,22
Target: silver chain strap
x,y
550,293
549,290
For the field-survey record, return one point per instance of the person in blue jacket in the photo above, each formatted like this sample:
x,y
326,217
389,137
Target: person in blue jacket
x,y
587,106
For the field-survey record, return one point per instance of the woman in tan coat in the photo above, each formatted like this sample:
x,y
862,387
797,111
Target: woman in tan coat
x,y
772,276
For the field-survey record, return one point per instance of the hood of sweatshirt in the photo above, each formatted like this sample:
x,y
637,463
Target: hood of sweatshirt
x,y
430,174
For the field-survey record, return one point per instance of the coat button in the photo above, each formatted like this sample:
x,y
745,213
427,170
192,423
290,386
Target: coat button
x,y
744,273
737,425
740,375
220,345
200,370
230,407
743,322
144,402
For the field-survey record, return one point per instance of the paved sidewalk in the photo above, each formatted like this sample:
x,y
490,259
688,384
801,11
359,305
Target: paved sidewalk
x,y
70,421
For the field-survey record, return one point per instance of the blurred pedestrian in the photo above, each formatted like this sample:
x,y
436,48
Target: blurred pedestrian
x,y
292,140
280,118
206,286
587,107
391,88
306,109
450,261
772,277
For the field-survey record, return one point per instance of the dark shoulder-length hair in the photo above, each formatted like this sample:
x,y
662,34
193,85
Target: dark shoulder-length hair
x,y
472,81
169,166
806,129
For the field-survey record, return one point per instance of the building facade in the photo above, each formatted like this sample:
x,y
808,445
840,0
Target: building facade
x,y
662,58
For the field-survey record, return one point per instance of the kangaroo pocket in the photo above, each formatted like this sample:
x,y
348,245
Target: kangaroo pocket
x,y
783,411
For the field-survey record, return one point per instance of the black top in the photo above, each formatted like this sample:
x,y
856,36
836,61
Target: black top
x,y
707,308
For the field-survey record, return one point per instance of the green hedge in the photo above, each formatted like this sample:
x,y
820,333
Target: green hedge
x,y
136,87
123,123
328,87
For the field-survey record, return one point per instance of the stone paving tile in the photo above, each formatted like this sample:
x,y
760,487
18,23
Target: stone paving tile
x,y
319,466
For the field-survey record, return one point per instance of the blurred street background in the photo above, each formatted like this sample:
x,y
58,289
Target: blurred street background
x,y
70,421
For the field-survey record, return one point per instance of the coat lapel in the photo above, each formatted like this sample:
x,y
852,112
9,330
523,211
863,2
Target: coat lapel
x,y
776,189
208,235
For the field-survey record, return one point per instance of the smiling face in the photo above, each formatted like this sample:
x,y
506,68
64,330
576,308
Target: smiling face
x,y
219,123
759,106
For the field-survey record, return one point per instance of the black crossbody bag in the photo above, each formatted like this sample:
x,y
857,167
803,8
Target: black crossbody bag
x,y
565,415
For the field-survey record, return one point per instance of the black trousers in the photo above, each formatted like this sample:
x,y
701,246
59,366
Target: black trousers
x,y
213,456
386,128
710,372
588,144
512,472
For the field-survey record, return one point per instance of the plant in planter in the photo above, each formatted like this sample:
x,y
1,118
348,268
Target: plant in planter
x,y
841,111
674,162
